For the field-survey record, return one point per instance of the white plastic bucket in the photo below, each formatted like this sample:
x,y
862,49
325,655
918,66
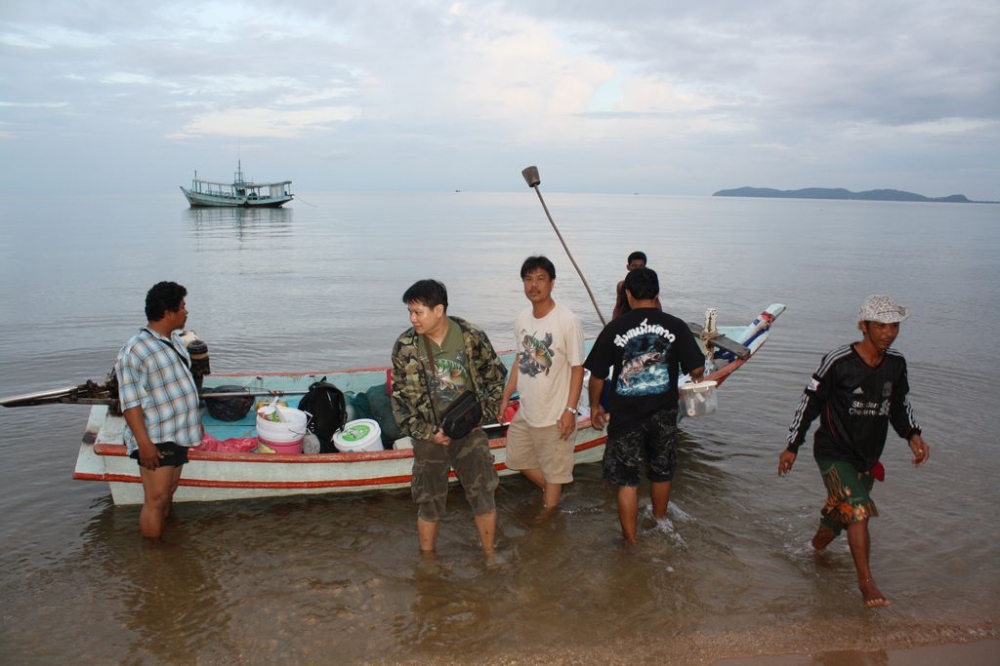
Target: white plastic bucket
x,y
359,435
699,399
283,436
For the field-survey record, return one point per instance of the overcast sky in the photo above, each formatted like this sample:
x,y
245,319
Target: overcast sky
x,y
651,96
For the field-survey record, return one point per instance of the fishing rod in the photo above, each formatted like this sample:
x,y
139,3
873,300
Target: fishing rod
x,y
532,179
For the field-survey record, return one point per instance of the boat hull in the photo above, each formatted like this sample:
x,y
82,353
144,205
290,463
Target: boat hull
x,y
201,200
211,476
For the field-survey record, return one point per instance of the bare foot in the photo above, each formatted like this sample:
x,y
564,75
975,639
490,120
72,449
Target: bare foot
x,y
824,536
871,594
546,513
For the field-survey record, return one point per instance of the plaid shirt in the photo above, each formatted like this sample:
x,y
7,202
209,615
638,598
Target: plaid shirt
x,y
157,378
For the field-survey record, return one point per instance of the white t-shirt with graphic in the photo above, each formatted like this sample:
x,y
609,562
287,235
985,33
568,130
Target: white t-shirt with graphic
x,y
547,350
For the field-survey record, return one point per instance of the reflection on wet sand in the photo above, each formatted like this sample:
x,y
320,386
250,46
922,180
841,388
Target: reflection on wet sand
x,y
168,598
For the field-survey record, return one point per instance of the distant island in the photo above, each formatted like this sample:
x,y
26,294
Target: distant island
x,y
841,193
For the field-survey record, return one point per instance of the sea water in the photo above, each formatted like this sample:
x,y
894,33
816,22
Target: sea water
x,y
318,285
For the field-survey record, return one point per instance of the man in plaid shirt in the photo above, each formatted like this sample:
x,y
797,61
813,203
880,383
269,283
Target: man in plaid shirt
x,y
159,400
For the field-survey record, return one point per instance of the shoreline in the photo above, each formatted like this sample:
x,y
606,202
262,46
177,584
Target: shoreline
x,y
977,652
982,649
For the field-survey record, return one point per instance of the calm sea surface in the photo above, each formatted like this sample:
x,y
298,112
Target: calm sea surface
x,y
317,286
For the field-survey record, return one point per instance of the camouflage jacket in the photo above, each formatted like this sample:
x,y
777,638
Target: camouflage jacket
x,y
411,402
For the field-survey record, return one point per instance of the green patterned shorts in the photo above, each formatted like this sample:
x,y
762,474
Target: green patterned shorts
x,y
848,495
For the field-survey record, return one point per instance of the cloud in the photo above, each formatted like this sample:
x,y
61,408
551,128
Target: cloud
x,y
264,122
681,97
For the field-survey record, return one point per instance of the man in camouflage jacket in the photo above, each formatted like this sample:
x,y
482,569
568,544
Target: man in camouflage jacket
x,y
463,358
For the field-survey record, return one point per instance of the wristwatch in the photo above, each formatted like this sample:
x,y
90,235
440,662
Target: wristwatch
x,y
572,410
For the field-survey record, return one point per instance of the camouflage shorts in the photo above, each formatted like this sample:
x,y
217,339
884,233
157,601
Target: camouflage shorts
x,y
848,493
472,461
651,441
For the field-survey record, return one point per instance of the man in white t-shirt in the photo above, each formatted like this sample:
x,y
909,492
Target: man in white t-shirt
x,y
548,376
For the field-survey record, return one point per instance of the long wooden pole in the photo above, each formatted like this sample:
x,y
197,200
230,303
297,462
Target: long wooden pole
x,y
531,177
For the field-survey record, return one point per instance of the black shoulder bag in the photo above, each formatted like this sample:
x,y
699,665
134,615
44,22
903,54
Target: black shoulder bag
x,y
463,414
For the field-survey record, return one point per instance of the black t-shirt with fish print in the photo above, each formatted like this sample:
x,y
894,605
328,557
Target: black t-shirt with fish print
x,y
648,350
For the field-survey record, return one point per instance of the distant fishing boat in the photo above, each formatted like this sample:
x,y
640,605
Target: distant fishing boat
x,y
240,193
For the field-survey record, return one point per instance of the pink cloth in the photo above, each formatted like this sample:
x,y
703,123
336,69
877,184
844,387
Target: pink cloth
x,y
232,445
512,408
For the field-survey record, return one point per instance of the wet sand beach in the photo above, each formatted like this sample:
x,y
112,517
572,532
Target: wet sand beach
x,y
973,653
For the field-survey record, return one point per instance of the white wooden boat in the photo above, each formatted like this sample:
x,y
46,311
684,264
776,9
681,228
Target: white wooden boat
x,y
240,193
211,476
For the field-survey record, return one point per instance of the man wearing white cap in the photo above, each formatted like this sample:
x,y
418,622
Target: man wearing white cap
x,y
858,390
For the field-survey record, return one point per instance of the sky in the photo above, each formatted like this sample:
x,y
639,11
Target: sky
x,y
648,96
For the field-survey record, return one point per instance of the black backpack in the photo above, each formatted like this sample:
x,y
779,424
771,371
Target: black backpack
x,y
329,412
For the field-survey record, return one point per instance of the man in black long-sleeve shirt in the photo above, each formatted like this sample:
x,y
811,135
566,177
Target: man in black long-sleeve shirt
x,y
858,391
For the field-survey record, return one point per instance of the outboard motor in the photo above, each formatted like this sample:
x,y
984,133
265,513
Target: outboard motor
x,y
230,407
198,351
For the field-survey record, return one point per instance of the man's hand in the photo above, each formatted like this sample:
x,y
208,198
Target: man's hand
x,y
598,417
921,449
567,424
440,438
502,410
785,462
149,456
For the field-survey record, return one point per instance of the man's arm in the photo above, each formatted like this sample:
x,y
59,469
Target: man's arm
x,y
691,358
132,382
407,392
814,397
900,412
598,417
807,410
620,300
567,419
490,371
903,422
805,414
149,455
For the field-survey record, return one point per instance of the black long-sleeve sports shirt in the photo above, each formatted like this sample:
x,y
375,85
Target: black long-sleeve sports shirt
x,y
855,403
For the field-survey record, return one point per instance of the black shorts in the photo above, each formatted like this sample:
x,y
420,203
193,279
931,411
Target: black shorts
x,y
171,454
651,441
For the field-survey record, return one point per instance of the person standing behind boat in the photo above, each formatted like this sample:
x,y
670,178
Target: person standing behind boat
x,y
159,400
635,260
462,358
647,349
858,391
548,376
